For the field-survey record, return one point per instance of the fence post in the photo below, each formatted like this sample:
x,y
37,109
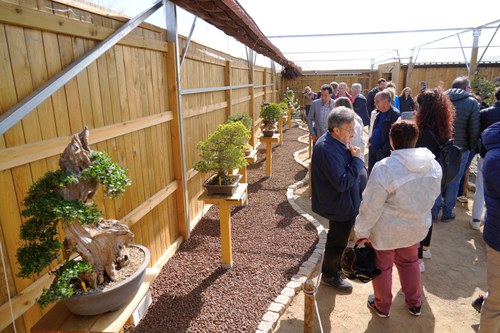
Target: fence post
x,y
309,292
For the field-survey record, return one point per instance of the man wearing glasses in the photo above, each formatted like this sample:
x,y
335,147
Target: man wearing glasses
x,y
379,146
336,172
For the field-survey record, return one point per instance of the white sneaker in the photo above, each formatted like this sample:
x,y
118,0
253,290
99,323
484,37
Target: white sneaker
x,y
462,199
426,254
421,265
475,224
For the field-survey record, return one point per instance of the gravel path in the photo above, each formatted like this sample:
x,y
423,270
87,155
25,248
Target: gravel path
x,y
270,241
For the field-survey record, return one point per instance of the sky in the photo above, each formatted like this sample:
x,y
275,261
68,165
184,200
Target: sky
x,y
313,17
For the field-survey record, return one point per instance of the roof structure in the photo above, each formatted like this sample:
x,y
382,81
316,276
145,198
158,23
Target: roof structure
x,y
230,17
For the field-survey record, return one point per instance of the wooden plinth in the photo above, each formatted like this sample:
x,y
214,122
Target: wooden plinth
x,y
225,202
251,159
269,150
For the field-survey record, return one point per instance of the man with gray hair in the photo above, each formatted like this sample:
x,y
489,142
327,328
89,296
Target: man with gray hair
x,y
359,103
337,170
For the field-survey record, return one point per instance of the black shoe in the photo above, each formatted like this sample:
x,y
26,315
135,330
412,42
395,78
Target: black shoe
x,y
338,282
371,305
478,303
415,310
448,218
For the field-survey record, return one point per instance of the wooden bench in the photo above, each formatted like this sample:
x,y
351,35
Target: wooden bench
x,y
60,319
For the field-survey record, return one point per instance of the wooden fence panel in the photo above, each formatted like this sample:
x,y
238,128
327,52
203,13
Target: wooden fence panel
x,y
122,97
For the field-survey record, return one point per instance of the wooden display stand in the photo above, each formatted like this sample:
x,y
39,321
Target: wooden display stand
x,y
60,319
251,159
225,202
269,150
290,110
280,127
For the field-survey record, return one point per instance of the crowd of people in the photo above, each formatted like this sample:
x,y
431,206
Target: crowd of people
x,y
391,198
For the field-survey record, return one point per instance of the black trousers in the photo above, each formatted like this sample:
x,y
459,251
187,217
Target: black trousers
x,y
336,242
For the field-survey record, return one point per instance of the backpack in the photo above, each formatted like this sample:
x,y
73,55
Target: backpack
x,y
450,158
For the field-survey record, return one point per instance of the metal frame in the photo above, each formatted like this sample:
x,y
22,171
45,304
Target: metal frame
x,y
172,37
37,97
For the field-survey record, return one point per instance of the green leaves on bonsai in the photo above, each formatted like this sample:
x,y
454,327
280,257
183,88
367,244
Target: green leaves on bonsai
x,y
271,112
484,89
108,173
66,276
221,151
241,117
45,208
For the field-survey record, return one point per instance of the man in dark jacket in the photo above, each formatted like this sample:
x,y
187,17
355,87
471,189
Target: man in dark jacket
x,y
467,130
379,145
359,103
336,167
490,312
370,99
488,117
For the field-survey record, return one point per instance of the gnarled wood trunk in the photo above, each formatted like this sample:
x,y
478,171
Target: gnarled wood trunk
x,y
103,245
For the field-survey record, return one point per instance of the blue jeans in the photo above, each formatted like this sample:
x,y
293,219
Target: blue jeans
x,y
450,192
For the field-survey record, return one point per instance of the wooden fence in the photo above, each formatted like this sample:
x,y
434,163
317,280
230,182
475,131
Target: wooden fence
x,y
127,98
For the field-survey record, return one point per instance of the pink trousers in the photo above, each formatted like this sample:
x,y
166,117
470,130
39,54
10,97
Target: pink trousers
x,y
406,260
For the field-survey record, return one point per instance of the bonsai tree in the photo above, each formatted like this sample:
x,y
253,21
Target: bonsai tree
x,y
221,151
63,198
271,113
241,117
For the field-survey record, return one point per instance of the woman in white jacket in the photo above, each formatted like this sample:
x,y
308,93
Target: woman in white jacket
x,y
395,215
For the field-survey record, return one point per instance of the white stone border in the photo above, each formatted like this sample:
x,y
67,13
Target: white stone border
x,y
306,270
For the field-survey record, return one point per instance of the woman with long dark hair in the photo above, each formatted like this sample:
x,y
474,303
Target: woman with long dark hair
x,y
434,118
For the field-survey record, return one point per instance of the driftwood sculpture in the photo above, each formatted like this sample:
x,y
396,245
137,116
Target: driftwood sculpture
x,y
103,245
63,199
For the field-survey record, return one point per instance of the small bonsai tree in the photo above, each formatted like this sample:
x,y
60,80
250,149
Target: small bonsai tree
x,y
62,198
271,113
241,117
221,151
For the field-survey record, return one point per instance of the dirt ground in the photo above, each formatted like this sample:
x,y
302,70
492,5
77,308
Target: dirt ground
x,y
454,277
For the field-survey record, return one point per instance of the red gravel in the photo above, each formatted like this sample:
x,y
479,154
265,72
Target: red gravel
x,y
270,241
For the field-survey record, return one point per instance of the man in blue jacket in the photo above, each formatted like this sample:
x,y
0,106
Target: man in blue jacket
x,y
490,312
379,146
336,170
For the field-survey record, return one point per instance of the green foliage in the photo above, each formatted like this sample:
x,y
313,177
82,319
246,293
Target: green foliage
x,y
271,112
108,173
45,208
221,151
483,88
283,106
66,277
241,117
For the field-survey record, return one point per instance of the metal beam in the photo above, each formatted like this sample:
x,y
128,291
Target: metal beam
x,y
188,40
29,103
172,37
211,89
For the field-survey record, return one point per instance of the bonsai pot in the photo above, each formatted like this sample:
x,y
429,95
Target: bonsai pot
x,y
221,189
113,298
267,133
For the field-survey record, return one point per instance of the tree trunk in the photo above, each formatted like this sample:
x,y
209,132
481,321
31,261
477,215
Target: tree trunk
x,y
103,245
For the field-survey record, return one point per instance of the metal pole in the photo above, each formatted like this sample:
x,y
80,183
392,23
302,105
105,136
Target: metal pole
x,y
171,22
29,103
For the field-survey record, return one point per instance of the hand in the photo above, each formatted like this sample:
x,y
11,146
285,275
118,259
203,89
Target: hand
x,y
355,151
314,138
363,241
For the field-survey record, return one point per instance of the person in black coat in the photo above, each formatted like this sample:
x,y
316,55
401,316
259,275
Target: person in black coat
x,y
359,103
406,102
370,98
